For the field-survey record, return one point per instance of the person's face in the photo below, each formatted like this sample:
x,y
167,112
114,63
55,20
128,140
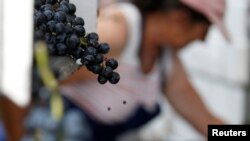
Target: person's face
x,y
183,30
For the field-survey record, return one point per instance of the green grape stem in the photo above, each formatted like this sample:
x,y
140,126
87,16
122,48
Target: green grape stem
x,y
41,56
83,41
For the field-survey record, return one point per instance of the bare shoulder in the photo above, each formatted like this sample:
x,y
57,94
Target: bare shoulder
x,y
112,27
113,13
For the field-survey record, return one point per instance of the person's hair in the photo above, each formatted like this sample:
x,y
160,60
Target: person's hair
x,y
149,6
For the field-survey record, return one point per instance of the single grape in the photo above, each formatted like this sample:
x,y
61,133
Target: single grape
x,y
49,14
78,21
92,35
60,17
51,26
112,63
101,79
94,43
99,58
114,78
46,7
103,48
79,30
61,49
91,51
38,4
96,69
72,8
64,2
107,72
50,39
88,60
63,8
39,18
61,38
59,28
73,41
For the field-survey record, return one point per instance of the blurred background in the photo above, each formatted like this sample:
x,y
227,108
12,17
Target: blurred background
x,y
219,71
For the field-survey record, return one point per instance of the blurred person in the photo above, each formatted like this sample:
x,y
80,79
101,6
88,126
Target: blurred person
x,y
145,36
219,71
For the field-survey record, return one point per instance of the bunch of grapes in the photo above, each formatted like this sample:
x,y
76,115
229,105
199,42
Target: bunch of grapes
x,y
55,23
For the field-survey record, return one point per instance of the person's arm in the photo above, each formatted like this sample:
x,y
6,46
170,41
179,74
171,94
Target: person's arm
x,y
112,29
186,101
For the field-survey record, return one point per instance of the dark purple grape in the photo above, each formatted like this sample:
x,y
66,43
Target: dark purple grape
x,y
114,78
68,29
73,41
39,18
103,48
88,60
72,8
91,51
60,17
51,26
47,37
61,38
107,72
46,7
94,43
64,8
64,2
99,58
60,28
92,35
49,14
78,21
38,4
61,49
70,19
101,79
112,63
42,27
50,39
96,69
79,30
